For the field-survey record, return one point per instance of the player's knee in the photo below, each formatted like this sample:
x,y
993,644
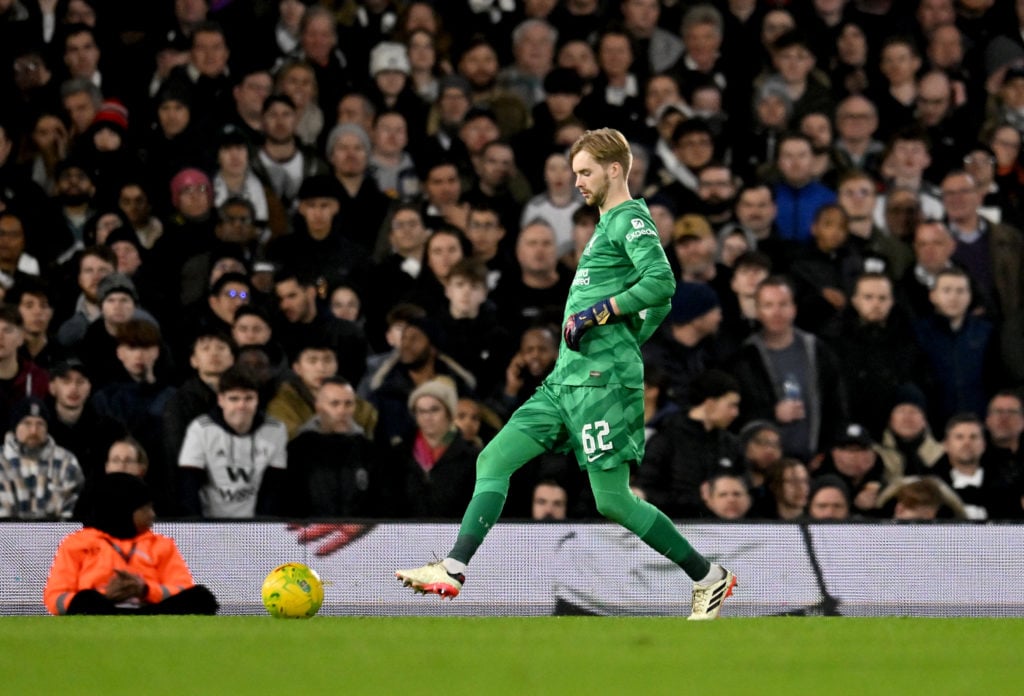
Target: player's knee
x,y
488,464
613,507
627,510
490,476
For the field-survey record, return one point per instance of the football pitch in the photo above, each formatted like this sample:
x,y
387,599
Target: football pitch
x,y
547,655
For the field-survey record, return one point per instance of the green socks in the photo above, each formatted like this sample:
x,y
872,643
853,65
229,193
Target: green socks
x,y
481,514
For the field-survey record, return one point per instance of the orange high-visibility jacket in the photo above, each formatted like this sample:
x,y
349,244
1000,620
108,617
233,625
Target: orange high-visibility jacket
x,y
87,559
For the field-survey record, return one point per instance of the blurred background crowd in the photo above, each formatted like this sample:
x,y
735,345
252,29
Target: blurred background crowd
x,y
295,258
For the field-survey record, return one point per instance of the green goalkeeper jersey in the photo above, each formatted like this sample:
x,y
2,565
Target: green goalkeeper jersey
x,y
624,259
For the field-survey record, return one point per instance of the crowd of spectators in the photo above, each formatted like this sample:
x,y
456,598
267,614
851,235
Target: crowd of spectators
x,y
303,259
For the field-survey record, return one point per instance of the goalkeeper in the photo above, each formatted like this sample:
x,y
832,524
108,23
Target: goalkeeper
x,y
592,401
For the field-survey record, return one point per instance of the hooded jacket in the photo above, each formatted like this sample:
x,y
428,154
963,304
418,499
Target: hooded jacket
x,y
222,473
87,559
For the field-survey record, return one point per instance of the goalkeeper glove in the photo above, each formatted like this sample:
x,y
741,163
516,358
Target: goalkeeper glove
x,y
579,323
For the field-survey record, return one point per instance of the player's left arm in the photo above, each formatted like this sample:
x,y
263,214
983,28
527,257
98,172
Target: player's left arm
x,y
651,296
652,318
642,246
656,285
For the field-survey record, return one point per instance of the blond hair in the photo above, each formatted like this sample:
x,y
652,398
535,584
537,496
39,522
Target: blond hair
x,y
606,146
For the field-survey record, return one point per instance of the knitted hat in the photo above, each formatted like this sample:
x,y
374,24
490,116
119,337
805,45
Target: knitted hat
x,y
690,301
124,234
829,481
347,129
749,431
774,87
116,498
389,55
117,282
665,201
1001,52
29,406
455,81
442,389
430,328
112,113
189,177
910,393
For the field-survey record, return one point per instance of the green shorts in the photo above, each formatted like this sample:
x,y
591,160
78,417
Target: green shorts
x,y
603,425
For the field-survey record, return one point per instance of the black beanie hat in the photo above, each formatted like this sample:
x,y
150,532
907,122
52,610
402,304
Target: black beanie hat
x,y
29,406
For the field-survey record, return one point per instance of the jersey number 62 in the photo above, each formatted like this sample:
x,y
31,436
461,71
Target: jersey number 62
x,y
593,436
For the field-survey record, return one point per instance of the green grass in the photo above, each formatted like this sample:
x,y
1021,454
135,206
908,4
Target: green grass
x,y
594,656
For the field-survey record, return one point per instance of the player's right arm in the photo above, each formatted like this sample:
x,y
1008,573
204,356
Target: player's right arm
x,y
599,314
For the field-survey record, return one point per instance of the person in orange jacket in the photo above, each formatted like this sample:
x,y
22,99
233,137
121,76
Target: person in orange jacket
x,y
117,565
